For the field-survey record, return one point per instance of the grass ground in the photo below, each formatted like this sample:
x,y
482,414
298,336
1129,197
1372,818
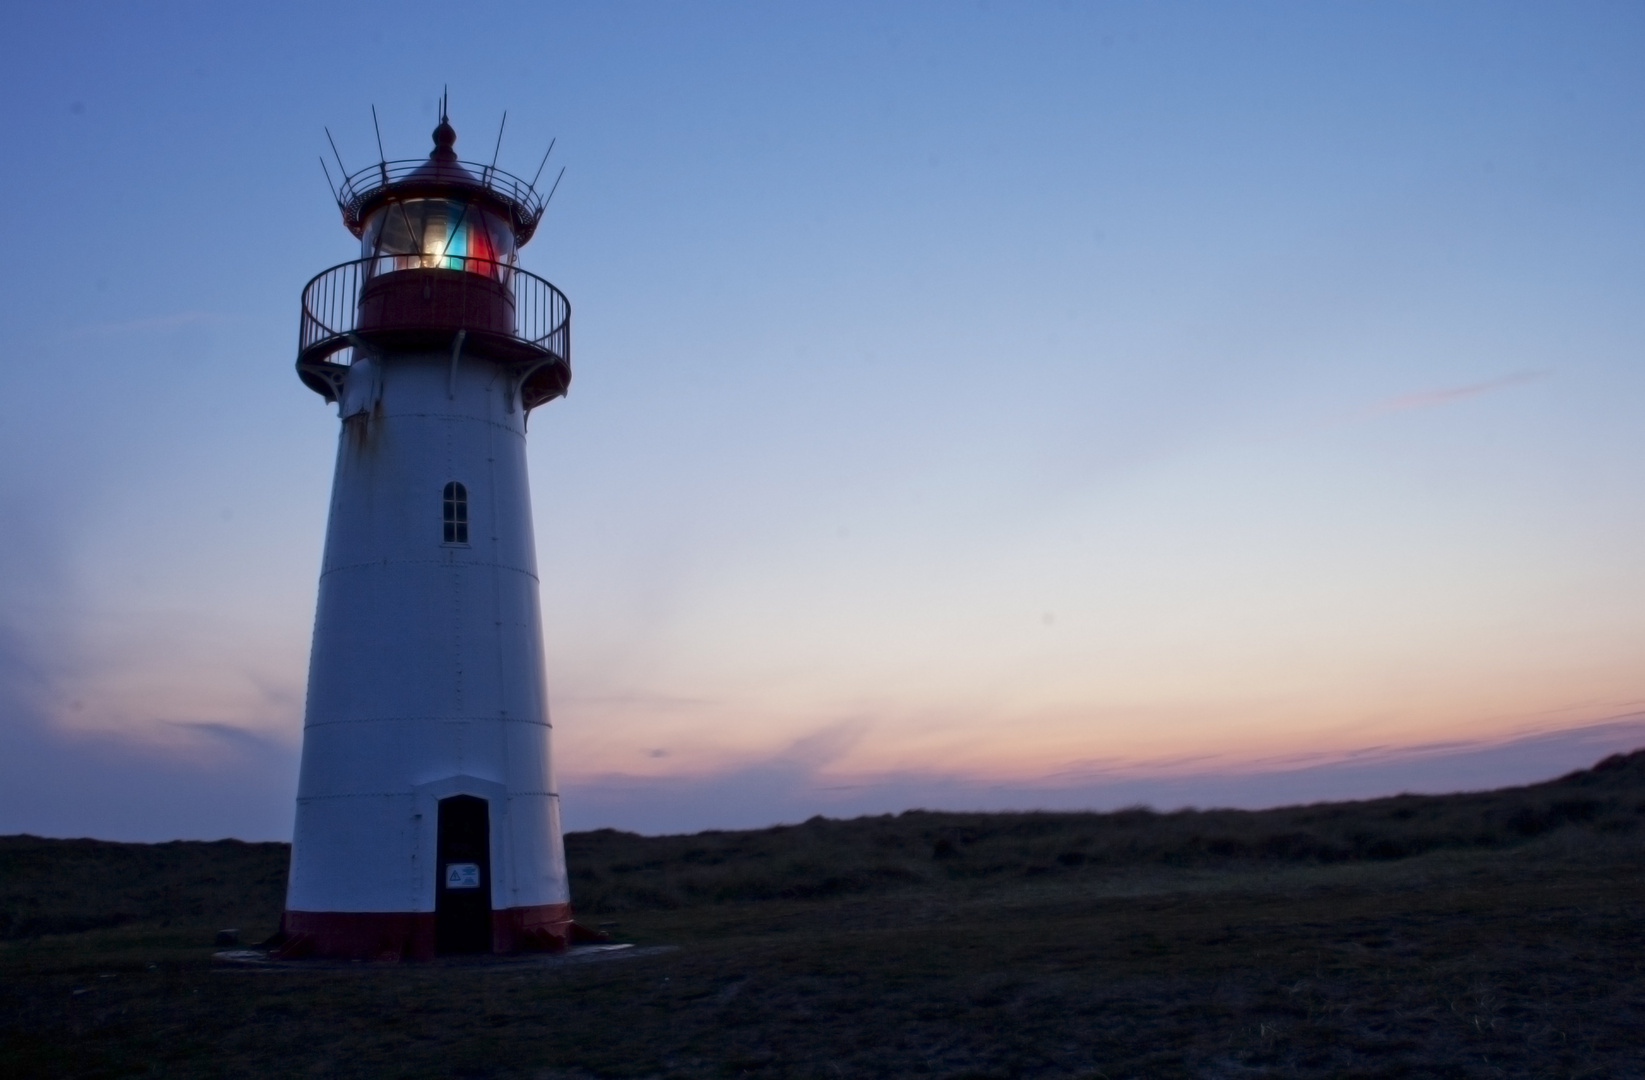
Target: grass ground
x,y
869,948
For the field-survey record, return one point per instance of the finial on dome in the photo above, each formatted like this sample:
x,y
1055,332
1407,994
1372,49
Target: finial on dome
x,y
445,137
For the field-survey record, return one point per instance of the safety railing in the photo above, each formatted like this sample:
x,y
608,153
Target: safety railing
x,y
331,303
526,202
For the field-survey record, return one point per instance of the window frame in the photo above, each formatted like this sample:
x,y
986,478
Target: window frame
x,y
454,514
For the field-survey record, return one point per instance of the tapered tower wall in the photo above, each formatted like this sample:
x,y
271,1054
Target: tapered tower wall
x,y
426,675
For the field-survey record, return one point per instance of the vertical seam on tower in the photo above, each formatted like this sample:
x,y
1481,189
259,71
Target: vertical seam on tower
x,y
456,584
496,579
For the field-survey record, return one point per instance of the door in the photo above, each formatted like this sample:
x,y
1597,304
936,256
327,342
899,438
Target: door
x,y
462,892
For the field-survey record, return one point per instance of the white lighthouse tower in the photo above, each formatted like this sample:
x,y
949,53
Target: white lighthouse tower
x,y
427,817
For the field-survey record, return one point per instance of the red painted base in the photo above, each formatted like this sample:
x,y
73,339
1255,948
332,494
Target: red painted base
x,y
409,935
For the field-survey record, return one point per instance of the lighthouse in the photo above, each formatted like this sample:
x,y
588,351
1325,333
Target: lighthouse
x,y
427,817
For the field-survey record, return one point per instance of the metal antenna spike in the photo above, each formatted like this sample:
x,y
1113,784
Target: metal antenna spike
x,y
540,164
445,104
555,188
338,156
499,147
329,184
382,158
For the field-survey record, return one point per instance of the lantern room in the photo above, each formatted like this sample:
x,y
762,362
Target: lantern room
x,y
438,215
433,231
438,269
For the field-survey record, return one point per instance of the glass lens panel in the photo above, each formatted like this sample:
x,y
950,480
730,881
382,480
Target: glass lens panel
x,y
445,233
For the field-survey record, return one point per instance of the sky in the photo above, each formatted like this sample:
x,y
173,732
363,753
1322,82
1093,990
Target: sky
x,y
1000,405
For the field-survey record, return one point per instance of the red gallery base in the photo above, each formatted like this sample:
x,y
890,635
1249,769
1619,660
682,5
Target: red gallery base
x,y
409,935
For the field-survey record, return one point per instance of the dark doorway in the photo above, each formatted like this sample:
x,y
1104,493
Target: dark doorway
x,y
462,891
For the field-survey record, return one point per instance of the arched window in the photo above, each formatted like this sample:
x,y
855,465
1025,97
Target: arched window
x,y
455,501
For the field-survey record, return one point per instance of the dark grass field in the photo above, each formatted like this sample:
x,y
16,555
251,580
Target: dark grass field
x,y
1490,935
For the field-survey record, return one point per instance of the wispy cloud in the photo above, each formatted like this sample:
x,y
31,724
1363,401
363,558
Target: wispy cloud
x,y
789,786
229,735
209,780
1421,399
825,746
1425,398
635,702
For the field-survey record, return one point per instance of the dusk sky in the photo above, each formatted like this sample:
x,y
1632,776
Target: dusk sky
x,y
975,406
